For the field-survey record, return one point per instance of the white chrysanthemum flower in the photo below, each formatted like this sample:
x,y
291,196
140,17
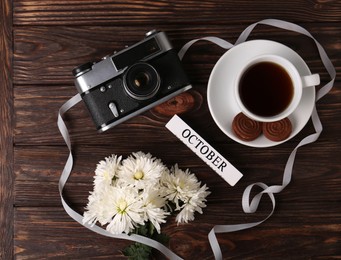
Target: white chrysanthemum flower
x,y
141,171
126,210
98,208
180,185
106,172
154,207
183,189
90,216
194,204
120,207
134,191
186,214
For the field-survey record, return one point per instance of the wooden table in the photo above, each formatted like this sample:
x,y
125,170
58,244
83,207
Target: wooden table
x,y
41,41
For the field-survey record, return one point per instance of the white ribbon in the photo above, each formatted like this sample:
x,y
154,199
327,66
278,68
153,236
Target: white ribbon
x,y
248,206
78,217
251,207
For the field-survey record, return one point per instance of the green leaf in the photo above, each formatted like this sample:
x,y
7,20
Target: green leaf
x,y
146,230
142,230
162,238
151,229
137,251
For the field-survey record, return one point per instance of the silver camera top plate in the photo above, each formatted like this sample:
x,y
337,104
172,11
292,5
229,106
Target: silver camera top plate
x,y
107,69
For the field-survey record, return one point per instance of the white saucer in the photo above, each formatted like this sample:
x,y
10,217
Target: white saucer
x,y
222,104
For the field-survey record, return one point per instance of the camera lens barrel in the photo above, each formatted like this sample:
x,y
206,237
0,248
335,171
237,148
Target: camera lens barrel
x,y
141,81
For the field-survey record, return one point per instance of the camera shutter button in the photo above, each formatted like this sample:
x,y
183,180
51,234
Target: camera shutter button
x,y
113,109
150,33
82,69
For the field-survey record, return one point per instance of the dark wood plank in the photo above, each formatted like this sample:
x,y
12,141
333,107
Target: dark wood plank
x,y
175,12
46,57
41,104
63,238
6,141
32,102
51,37
54,52
37,170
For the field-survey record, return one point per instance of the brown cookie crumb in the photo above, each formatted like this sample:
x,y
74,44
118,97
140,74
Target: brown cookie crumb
x,y
277,131
246,128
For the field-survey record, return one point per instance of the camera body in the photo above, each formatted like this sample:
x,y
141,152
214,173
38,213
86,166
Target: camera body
x,y
131,81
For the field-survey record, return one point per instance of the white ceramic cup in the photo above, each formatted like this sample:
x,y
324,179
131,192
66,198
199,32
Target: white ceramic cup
x,y
298,83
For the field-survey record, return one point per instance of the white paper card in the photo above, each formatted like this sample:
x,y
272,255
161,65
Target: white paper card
x,y
204,150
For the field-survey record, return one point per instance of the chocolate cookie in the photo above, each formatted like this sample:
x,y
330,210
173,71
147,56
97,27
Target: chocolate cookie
x,y
277,131
246,128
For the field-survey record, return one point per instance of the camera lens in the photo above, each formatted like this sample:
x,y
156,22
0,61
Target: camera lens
x,y
141,81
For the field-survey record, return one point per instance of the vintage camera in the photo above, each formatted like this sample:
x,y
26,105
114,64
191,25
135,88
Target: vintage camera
x,y
131,81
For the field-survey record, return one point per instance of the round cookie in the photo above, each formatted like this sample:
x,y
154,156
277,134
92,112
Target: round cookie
x,y
277,131
246,128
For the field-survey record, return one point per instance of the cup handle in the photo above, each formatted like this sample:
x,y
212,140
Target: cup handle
x,y
310,80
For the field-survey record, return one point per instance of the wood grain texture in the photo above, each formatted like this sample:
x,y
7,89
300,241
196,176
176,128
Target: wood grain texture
x,y
170,12
44,56
40,104
66,239
51,37
6,132
37,171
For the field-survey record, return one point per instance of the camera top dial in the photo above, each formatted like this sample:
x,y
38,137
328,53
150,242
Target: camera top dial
x,y
81,69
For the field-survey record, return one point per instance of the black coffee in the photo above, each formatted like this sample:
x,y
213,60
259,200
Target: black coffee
x,y
266,89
